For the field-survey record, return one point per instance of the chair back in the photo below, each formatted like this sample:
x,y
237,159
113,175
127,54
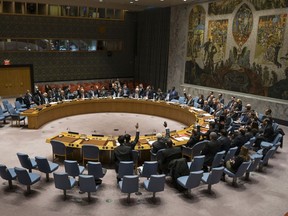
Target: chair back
x,y
130,184
242,169
198,147
230,154
43,164
277,139
252,140
159,154
24,160
87,183
194,179
90,152
181,100
218,159
72,168
17,105
197,163
267,156
125,168
253,165
58,147
13,112
215,175
23,176
62,181
4,172
95,169
156,183
149,168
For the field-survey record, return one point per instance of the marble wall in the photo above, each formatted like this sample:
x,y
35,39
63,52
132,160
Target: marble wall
x,y
176,70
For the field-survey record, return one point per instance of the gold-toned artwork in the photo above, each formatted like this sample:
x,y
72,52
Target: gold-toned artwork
x,y
271,4
223,7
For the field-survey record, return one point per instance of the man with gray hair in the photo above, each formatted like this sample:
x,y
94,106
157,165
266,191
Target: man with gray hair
x,y
160,143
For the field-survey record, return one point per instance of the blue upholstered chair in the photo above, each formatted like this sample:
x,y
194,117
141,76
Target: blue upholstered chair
x,y
18,107
7,174
240,172
3,115
157,156
253,165
156,183
230,154
197,163
218,160
72,168
264,161
190,181
26,178
149,168
26,162
129,185
125,168
16,117
87,184
96,169
212,177
46,166
59,149
90,153
195,150
63,182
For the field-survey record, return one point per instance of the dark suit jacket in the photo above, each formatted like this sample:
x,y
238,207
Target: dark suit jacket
x,y
225,143
169,155
192,141
210,150
161,143
134,142
122,153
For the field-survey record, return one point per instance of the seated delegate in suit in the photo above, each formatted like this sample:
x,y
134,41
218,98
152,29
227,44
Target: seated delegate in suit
x,y
239,140
168,155
210,150
194,138
266,134
224,140
122,152
160,143
128,138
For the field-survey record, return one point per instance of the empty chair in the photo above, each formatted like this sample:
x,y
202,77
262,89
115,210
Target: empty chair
x,y
125,168
7,174
26,162
197,163
156,183
149,168
26,178
59,149
182,100
191,181
63,182
253,165
96,169
90,153
18,107
264,160
3,115
87,184
46,166
230,154
212,177
195,150
240,172
218,159
72,168
16,117
129,185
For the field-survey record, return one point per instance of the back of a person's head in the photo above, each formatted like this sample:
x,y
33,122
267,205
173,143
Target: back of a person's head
x,y
121,139
213,136
244,152
127,138
242,131
223,132
159,136
169,143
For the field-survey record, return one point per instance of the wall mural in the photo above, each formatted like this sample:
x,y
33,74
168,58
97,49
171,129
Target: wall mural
x,y
222,7
270,4
231,66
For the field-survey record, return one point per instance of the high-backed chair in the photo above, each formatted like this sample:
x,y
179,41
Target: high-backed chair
x,y
129,185
212,177
190,181
16,117
195,150
27,162
87,184
218,160
265,159
157,156
72,168
156,183
63,182
26,178
149,168
197,163
90,153
240,172
96,169
46,166
59,149
125,168
230,154
3,115
253,165
7,174
18,107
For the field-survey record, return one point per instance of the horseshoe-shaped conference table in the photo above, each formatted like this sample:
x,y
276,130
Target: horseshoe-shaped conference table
x,y
38,116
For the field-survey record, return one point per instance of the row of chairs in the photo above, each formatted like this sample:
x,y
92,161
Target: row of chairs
x,y
12,112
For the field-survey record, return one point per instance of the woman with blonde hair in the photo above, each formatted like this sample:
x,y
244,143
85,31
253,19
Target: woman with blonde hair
x,y
235,163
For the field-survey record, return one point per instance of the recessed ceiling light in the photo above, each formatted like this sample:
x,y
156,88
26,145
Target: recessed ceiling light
x,y
131,2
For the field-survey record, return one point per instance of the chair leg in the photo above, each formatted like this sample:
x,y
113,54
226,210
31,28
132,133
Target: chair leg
x,y
47,177
65,196
234,183
28,189
10,184
247,175
154,193
89,196
128,198
209,188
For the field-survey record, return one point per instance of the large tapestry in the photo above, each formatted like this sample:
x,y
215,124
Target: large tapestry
x,y
223,59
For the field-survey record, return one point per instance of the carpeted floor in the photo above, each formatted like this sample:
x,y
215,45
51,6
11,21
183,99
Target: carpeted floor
x,y
266,194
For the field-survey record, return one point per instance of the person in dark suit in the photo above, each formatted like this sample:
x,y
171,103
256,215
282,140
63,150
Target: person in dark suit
x,y
210,150
168,155
160,143
224,140
266,134
173,94
239,140
128,138
194,138
122,152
